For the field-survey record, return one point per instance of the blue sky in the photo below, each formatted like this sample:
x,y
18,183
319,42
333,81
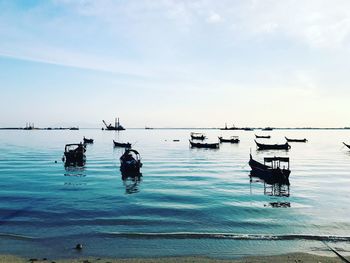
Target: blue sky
x,y
171,63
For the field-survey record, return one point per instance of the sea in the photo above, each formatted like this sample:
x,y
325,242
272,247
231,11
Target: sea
x,y
188,201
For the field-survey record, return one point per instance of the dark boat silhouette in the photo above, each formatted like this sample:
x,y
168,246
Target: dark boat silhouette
x,y
204,145
262,146
117,126
86,140
121,144
270,171
347,145
233,139
130,163
267,129
296,140
74,154
197,136
262,136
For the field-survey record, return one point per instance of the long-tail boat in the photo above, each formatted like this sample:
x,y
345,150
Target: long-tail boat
x,y
233,139
74,154
271,171
204,145
262,136
296,140
86,140
197,136
347,145
262,146
121,144
130,162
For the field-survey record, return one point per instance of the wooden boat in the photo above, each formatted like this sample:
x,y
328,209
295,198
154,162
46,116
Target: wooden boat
x,y
121,144
295,140
270,171
86,140
262,136
262,146
74,154
117,126
347,145
130,162
204,145
233,139
197,136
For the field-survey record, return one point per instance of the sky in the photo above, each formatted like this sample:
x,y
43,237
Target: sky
x,y
175,63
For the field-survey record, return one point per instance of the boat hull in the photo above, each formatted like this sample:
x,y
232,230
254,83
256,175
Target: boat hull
x,y
205,145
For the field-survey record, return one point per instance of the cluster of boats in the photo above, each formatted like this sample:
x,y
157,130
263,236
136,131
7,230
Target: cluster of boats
x,y
130,161
273,170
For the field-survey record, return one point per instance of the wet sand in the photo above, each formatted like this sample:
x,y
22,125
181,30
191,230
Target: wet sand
x,y
288,258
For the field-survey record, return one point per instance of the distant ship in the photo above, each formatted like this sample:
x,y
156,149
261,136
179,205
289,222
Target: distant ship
x,y
231,128
148,128
116,127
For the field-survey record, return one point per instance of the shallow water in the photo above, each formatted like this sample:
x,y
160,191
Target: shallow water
x,y
189,201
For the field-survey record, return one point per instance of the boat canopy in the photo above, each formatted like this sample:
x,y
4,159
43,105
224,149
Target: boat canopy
x,y
274,159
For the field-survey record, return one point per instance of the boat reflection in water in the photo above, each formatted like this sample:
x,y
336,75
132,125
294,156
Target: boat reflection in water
x,y
132,183
74,171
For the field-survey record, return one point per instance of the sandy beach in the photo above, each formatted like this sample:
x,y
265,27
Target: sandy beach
x,y
288,258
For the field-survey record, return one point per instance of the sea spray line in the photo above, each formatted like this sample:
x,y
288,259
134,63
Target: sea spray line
x,y
197,235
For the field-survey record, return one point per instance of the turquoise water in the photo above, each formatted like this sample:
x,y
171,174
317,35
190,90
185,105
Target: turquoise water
x,y
188,202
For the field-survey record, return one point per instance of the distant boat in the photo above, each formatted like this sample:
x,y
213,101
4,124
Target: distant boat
x,y
248,129
233,139
347,145
267,129
295,140
270,171
117,126
197,136
74,128
229,128
74,154
148,128
204,145
130,162
262,146
262,136
86,140
121,144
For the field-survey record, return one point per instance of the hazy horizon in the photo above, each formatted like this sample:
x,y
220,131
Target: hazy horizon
x,y
175,63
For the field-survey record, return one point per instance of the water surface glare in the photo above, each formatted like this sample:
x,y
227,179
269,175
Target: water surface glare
x,y
188,201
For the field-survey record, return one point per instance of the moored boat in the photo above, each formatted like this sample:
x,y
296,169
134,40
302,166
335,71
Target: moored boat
x,y
347,145
262,146
121,144
197,136
86,140
262,136
74,154
233,139
271,171
130,162
296,140
204,145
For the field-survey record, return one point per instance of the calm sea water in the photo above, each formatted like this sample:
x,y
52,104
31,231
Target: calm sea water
x,y
188,202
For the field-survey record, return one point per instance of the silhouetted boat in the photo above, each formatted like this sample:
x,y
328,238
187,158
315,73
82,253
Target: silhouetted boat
x,y
347,145
74,154
74,129
295,140
117,126
262,146
267,129
262,136
121,144
204,145
86,140
233,139
197,136
270,171
130,162
229,128
248,129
